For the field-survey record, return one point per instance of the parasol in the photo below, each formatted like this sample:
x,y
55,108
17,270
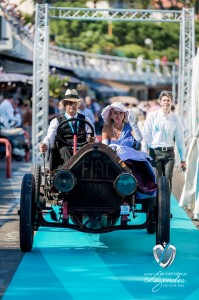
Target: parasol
x,y
12,77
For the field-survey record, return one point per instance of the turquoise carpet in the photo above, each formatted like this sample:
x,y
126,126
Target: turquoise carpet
x,y
66,264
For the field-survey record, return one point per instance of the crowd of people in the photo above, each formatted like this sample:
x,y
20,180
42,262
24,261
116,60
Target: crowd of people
x,y
150,126
15,112
14,12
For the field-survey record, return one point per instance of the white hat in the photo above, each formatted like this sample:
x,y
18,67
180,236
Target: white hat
x,y
71,95
118,106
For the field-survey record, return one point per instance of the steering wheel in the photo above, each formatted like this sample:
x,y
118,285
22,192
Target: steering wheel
x,y
79,132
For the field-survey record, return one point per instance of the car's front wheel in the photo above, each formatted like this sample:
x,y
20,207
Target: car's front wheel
x,y
36,171
27,212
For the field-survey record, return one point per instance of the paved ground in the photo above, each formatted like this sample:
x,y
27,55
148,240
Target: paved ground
x,y
177,190
10,254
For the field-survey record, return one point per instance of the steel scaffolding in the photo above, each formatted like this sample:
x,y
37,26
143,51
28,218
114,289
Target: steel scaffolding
x,y
41,47
40,80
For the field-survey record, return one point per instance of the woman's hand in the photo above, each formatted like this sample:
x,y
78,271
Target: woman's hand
x,y
131,118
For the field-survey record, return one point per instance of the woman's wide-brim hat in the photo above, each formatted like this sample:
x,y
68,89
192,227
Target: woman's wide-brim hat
x,y
71,95
118,106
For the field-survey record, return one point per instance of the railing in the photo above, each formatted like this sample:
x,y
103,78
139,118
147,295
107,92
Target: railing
x,y
8,156
111,67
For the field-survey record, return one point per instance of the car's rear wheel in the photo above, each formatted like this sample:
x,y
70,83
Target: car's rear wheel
x,y
151,228
163,212
27,212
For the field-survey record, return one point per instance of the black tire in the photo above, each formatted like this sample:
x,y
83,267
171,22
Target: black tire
x,y
27,212
151,228
36,171
163,212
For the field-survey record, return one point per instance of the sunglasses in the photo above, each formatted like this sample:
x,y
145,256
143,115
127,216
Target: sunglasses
x,y
71,103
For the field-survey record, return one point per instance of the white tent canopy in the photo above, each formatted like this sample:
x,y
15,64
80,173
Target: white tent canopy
x,y
13,77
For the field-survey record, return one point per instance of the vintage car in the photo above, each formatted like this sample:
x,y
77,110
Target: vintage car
x,y
94,191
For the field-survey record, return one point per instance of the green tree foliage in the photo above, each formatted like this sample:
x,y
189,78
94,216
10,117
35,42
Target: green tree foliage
x,y
56,85
93,37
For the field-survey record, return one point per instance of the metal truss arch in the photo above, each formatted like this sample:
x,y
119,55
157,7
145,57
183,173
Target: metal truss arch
x,y
68,13
41,52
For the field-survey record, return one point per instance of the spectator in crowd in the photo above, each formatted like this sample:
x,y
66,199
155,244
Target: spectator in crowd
x,y
96,109
27,27
61,108
86,111
7,117
143,106
162,129
141,121
157,66
135,109
165,68
164,60
139,64
10,7
153,105
98,117
17,113
26,111
53,110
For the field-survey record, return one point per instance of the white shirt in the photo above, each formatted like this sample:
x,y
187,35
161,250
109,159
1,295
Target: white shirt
x,y
7,117
162,130
52,130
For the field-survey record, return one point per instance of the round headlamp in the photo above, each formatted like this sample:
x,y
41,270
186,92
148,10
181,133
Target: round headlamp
x,y
64,181
125,184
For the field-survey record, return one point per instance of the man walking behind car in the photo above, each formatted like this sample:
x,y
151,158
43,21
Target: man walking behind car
x,y
162,130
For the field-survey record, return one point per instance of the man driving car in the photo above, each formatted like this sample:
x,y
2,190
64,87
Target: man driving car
x,y
61,153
